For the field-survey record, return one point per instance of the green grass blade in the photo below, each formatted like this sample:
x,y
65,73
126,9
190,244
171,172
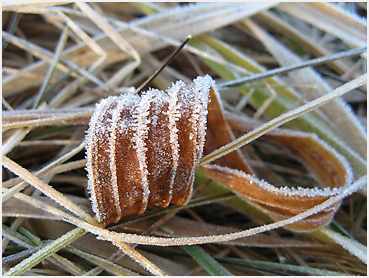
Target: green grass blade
x,y
45,252
103,263
206,261
26,239
287,267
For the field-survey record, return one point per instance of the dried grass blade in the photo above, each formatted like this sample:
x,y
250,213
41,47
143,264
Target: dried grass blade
x,y
331,19
108,29
115,37
32,48
347,124
181,227
354,247
59,48
15,207
36,118
190,19
103,263
14,140
64,65
47,169
305,40
291,67
28,7
46,189
139,258
83,35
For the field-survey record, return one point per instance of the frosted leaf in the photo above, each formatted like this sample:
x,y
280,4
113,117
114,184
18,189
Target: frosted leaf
x,y
98,159
159,152
141,114
193,99
202,88
116,128
143,150
286,191
279,203
112,155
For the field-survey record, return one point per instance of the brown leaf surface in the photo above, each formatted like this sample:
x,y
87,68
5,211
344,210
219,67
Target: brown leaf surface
x,y
219,133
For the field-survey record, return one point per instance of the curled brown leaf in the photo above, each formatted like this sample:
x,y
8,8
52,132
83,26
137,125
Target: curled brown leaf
x,y
232,171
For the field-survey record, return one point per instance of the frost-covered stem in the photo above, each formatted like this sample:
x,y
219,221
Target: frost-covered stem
x,y
115,237
159,241
46,251
354,247
286,69
46,189
17,188
87,227
144,262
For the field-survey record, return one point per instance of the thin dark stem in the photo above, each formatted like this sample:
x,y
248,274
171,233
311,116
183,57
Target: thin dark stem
x,y
144,85
312,62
